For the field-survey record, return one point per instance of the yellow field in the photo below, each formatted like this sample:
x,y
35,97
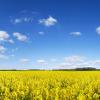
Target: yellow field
x,y
49,85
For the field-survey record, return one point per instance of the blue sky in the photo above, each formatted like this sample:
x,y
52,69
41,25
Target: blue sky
x,y
49,34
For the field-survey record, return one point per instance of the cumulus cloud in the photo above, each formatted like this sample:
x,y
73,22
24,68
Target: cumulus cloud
x,y
71,65
23,16
74,58
24,60
41,33
11,41
42,62
69,62
2,49
98,30
28,19
50,21
66,65
75,61
22,20
20,36
96,63
3,57
76,33
4,35
16,21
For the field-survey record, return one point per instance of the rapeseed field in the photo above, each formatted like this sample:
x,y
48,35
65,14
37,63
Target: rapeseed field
x,y
49,85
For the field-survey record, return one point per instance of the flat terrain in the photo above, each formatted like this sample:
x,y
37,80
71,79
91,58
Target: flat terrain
x,y
49,85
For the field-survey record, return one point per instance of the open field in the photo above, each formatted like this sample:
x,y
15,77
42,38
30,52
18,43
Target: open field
x,y
49,85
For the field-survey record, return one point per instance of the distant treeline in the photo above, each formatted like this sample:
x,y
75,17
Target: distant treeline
x,y
79,69
76,69
86,68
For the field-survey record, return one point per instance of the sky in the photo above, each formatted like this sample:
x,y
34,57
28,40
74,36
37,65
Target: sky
x,y
49,34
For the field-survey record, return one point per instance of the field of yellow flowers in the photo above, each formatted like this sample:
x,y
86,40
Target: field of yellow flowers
x,y
49,85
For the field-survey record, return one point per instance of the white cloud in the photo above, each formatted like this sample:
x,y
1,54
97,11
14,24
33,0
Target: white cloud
x,y
71,65
28,19
50,21
23,16
96,63
4,35
20,36
11,41
66,65
74,58
16,21
98,30
76,33
2,49
24,60
63,64
42,62
69,62
41,33
22,20
3,57
75,61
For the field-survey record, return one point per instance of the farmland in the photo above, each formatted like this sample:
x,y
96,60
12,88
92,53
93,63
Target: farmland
x,y
49,85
